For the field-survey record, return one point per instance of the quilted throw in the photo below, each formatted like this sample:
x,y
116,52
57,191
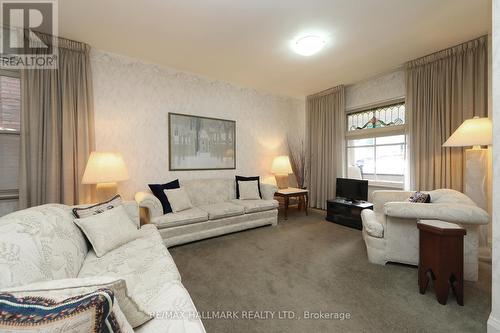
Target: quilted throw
x,y
85,313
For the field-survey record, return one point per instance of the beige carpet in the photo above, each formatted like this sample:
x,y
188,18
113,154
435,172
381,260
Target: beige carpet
x,y
309,265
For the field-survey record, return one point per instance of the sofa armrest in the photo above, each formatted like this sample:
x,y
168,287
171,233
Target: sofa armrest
x,y
267,191
150,203
370,223
463,214
149,228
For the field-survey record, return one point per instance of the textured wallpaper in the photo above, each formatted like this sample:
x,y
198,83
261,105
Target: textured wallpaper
x,y
132,102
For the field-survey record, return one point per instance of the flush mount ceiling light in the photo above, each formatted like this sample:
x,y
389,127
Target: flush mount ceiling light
x,y
308,45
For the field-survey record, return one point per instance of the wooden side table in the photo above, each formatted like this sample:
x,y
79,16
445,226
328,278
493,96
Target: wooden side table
x,y
292,192
442,254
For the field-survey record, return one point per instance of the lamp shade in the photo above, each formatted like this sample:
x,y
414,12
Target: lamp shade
x,y
281,165
473,132
105,168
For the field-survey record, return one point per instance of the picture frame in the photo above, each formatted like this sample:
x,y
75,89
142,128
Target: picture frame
x,y
201,143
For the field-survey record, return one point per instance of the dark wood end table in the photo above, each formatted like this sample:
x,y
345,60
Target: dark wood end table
x,y
292,192
441,251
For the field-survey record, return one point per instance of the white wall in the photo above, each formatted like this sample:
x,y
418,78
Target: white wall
x,y
494,320
132,102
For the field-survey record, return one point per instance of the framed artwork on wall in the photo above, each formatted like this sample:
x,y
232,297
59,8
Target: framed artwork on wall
x,y
201,143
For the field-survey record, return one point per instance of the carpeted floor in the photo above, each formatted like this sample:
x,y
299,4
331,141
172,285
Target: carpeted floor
x,y
308,264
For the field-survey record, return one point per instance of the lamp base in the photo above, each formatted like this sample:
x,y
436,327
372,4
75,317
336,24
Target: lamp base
x,y
105,191
281,181
475,187
476,170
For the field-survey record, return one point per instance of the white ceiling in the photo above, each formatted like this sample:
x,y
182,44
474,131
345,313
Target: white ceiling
x,y
247,41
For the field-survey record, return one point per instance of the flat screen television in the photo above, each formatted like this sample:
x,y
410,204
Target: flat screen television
x,y
352,189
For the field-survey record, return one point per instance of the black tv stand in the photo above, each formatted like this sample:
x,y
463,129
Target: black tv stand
x,y
346,212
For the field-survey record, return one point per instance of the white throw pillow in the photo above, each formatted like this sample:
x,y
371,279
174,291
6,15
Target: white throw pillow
x,y
108,230
249,190
178,199
65,288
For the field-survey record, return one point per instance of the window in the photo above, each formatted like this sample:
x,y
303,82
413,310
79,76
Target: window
x,y
381,117
376,145
10,121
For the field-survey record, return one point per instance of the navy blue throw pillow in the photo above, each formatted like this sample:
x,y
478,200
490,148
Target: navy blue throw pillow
x,y
246,179
157,190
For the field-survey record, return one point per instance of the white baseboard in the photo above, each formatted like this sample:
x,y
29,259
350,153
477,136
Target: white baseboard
x,y
493,324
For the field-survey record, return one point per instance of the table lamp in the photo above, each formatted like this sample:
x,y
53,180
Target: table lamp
x,y
475,132
105,170
281,168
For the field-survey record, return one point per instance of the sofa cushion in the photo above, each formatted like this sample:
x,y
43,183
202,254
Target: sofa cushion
x,y
209,191
222,209
173,312
450,196
39,244
253,206
187,216
145,264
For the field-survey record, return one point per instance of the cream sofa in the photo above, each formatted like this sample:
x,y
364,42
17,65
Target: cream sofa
x,y
216,211
43,243
390,230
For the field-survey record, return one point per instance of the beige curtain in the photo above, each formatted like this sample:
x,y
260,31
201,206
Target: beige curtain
x,y
57,128
325,117
442,90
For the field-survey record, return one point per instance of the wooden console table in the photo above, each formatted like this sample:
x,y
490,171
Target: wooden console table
x,y
346,213
292,192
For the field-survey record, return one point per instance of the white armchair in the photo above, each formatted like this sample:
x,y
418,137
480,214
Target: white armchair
x,y
390,230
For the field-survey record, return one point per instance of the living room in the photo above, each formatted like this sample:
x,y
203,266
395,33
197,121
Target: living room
x,y
249,166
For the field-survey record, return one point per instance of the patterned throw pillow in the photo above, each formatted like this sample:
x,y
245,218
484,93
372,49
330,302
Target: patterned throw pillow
x,y
65,288
419,197
83,212
95,312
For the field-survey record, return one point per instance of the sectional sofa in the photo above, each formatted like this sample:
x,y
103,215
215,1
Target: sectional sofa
x,y
44,244
216,211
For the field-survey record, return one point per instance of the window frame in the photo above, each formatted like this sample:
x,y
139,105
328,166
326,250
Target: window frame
x,y
376,133
10,194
